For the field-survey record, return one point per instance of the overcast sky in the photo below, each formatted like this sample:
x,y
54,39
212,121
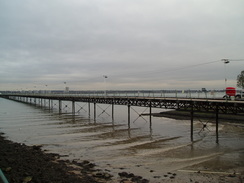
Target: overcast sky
x,y
138,44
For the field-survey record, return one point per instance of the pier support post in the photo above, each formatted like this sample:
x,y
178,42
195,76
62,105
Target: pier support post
x,y
217,124
192,113
150,113
89,109
73,107
129,116
60,106
112,112
49,104
94,111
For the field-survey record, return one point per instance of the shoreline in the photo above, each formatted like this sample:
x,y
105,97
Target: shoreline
x,y
22,164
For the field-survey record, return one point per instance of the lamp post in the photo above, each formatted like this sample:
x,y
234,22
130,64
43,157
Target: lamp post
x,y
46,88
105,92
64,86
226,61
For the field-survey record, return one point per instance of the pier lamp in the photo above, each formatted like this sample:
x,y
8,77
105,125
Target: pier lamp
x,y
226,61
46,89
64,86
105,90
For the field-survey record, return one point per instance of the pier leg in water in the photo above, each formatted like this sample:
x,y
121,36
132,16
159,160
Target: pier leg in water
x,y
192,113
217,124
129,116
94,111
60,106
89,109
112,112
73,107
150,115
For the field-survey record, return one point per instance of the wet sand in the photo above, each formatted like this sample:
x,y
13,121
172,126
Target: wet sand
x,y
21,163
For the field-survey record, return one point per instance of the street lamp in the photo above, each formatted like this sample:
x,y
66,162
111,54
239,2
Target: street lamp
x,y
226,61
105,77
64,86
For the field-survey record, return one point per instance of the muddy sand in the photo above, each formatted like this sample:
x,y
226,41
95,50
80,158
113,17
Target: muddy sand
x,y
30,164
23,164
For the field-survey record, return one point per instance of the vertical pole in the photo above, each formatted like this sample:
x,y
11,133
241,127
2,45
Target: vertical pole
x,y
89,109
150,112
217,124
73,107
49,104
41,102
192,113
94,111
60,106
113,112
129,116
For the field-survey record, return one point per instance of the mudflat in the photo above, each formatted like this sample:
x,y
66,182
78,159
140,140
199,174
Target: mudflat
x,y
21,163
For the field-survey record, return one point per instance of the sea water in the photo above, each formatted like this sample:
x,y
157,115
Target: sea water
x,y
114,144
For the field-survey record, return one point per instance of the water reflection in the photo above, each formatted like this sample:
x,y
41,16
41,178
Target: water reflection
x,y
139,146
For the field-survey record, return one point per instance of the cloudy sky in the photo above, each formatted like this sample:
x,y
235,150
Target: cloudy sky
x,y
138,44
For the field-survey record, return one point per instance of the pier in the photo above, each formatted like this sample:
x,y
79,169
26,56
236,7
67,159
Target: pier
x,y
215,106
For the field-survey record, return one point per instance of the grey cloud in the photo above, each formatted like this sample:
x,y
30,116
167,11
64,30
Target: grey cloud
x,y
133,41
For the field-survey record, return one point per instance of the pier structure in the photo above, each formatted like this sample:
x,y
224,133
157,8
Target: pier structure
x,y
192,105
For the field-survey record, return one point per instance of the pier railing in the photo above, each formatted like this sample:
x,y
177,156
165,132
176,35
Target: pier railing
x,y
211,94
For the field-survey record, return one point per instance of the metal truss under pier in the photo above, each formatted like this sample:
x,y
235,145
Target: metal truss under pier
x,y
208,105
190,104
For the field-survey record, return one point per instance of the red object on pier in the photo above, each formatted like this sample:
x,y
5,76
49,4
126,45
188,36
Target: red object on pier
x,y
230,91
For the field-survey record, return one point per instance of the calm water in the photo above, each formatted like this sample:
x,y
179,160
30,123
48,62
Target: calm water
x,y
143,149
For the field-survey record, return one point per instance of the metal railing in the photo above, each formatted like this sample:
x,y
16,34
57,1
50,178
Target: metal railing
x,y
211,94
